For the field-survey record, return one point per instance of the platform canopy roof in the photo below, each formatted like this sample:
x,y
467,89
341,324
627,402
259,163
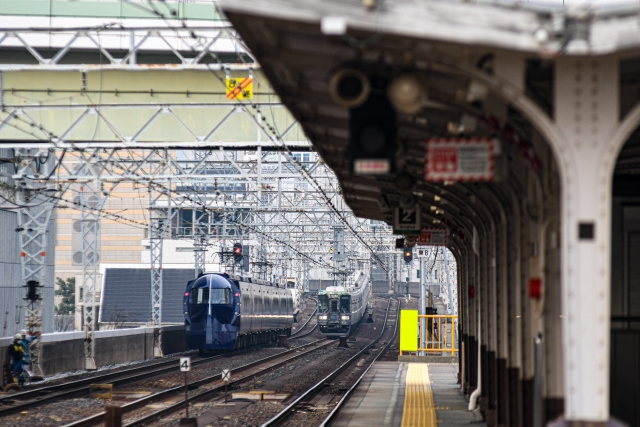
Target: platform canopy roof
x,y
593,28
449,44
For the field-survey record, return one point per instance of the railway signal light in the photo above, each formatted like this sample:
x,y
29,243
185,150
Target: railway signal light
x,y
372,137
372,129
408,254
32,290
237,253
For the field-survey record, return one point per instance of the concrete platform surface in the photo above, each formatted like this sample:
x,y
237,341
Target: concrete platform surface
x,y
378,400
401,394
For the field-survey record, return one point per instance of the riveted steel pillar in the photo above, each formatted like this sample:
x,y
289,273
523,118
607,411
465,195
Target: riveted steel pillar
x,y
37,202
587,114
91,203
201,233
158,227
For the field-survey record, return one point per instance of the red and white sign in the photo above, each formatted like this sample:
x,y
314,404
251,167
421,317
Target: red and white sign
x,y
371,166
433,236
460,159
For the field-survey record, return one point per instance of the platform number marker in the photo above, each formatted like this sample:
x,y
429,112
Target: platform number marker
x,y
226,377
407,220
185,364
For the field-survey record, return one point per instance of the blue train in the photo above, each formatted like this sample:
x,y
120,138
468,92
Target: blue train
x,y
223,312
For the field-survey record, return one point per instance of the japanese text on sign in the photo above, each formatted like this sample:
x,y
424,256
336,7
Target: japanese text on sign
x,y
433,237
460,159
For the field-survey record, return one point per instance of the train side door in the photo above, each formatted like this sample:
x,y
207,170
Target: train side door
x,y
258,308
268,309
281,307
245,308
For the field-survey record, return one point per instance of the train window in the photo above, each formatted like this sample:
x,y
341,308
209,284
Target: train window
x,y
323,303
218,296
200,296
345,303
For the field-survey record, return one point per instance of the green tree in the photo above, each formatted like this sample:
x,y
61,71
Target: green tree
x,y
66,290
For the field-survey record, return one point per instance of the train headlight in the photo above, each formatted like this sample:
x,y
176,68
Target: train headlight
x,y
345,317
323,317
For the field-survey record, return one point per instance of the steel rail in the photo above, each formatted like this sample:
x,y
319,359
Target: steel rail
x,y
44,395
306,333
80,387
308,320
99,418
281,416
345,398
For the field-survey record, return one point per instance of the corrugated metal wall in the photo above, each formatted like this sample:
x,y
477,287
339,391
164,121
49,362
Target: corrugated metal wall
x,y
126,295
11,290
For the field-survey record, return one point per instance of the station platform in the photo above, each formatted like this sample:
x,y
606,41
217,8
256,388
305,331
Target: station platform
x,y
403,394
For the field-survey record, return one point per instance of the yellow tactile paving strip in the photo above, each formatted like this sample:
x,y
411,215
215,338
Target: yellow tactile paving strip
x,y
419,409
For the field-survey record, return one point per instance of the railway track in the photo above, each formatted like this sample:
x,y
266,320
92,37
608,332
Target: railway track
x,y
42,395
294,335
249,372
283,415
31,398
345,398
177,391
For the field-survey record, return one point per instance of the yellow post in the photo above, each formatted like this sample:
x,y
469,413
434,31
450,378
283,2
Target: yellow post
x,y
408,330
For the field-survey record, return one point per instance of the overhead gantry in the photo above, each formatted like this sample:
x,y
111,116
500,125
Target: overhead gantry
x,y
91,110
555,88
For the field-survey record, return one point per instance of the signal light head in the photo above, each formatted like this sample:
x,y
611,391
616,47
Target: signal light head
x,y
407,94
408,254
349,88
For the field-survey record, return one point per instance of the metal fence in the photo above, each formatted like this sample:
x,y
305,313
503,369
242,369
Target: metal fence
x,y
429,334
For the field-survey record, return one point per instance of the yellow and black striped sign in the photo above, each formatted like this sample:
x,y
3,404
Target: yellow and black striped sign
x,y
240,88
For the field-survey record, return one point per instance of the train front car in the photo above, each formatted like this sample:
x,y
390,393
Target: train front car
x,y
212,313
341,309
334,311
223,312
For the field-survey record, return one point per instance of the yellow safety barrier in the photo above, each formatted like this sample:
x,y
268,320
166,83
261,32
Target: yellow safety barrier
x,y
408,330
440,333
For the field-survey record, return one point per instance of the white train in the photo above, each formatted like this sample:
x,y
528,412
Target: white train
x,y
341,309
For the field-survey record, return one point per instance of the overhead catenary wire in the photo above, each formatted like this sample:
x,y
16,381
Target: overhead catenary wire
x,y
293,161
276,137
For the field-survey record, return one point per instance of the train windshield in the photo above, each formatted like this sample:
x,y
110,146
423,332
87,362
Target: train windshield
x,y
218,296
345,303
323,303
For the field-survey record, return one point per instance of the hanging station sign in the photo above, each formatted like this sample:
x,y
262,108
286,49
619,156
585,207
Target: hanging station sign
x,y
460,159
433,236
407,220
